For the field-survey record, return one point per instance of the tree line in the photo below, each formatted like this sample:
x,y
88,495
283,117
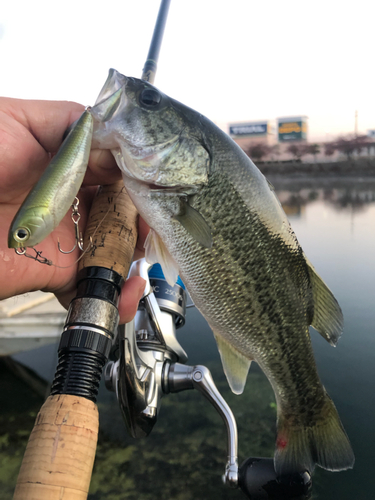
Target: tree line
x,y
348,145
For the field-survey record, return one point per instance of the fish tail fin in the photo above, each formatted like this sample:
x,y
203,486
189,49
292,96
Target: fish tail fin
x,y
324,443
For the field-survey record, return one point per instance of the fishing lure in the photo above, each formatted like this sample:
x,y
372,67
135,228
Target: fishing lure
x,y
50,199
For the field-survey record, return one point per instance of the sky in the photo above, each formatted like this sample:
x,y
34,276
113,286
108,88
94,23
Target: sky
x,y
233,61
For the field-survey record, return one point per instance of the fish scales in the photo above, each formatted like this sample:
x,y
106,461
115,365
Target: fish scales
x,y
216,221
242,295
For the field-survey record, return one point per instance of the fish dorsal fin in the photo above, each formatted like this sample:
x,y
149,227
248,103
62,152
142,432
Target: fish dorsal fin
x,y
328,319
235,365
194,224
156,252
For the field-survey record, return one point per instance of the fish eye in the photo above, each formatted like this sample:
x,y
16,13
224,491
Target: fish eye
x,y
21,234
150,97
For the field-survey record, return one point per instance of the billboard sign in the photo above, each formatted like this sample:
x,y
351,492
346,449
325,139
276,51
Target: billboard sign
x,y
248,129
293,130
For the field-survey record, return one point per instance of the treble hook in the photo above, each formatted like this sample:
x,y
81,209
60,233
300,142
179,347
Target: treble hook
x,y
75,218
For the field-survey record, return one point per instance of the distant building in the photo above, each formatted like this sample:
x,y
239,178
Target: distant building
x,y
247,133
292,129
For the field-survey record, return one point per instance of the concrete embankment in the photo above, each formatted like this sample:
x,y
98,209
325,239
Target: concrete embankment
x,y
361,167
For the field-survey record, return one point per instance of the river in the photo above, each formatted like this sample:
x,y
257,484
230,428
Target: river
x,y
185,455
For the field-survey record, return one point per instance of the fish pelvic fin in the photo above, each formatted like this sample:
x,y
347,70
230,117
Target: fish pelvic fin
x,y
235,365
157,253
328,318
324,444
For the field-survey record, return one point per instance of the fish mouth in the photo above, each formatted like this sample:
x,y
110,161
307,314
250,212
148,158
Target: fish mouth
x,y
159,187
111,98
154,187
104,110
186,190
114,82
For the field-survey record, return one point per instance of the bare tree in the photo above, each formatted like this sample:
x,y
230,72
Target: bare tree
x,y
346,146
258,151
312,149
275,151
329,148
349,145
297,150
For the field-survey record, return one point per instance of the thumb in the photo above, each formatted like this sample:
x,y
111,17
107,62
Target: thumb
x,y
130,296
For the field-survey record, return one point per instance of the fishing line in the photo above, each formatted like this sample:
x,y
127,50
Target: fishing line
x,y
90,245
43,260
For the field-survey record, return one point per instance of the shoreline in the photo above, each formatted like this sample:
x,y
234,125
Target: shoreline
x,y
358,168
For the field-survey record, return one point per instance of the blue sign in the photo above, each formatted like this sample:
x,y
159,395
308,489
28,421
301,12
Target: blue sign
x,y
249,129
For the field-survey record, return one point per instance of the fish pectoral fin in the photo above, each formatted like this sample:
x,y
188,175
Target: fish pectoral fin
x,y
236,366
327,319
156,252
195,225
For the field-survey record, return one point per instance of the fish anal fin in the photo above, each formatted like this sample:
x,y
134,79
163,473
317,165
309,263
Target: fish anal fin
x,y
194,224
327,318
156,252
236,366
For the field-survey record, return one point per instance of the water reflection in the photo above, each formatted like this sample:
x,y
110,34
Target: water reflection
x,y
335,226
184,456
350,194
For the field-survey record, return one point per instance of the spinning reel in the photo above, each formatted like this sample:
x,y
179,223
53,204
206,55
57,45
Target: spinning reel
x,y
152,364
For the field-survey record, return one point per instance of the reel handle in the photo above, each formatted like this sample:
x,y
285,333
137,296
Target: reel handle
x,y
258,481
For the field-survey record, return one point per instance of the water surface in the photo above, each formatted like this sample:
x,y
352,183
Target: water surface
x,y
185,455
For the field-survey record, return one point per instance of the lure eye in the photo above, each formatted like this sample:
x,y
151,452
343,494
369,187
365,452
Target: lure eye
x,y
21,234
150,97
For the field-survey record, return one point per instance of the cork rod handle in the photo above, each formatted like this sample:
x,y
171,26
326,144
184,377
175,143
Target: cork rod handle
x,y
112,225
61,450
60,453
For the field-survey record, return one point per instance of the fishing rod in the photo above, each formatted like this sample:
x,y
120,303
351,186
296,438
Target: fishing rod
x,y
60,453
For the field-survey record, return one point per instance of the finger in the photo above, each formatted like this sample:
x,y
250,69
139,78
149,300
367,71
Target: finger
x,y
46,120
102,168
130,296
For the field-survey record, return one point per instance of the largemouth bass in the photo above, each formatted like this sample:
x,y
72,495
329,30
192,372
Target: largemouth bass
x,y
216,221
50,199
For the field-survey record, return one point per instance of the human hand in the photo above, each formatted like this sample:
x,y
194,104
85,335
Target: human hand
x,y
30,133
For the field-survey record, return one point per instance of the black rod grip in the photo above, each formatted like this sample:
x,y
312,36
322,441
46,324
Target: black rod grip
x,y
84,347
